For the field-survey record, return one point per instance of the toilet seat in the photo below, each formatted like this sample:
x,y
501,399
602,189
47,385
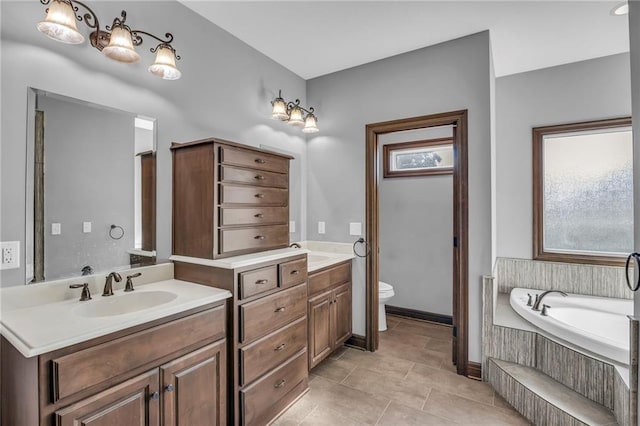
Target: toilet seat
x,y
385,289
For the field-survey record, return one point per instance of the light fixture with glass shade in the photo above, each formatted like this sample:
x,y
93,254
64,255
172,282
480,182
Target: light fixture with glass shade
x,y
117,41
293,113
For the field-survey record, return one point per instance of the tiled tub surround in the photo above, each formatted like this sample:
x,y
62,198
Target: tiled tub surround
x,y
535,372
591,280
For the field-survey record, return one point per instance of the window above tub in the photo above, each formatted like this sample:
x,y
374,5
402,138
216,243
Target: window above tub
x,y
583,192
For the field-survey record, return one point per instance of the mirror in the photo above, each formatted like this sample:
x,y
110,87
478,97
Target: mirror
x,y
91,188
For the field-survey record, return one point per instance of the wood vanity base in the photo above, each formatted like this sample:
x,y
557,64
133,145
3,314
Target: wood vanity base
x,y
165,372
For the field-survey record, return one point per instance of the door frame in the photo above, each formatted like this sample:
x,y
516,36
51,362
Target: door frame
x,y
458,119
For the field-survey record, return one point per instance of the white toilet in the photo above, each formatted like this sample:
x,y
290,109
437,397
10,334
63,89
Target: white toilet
x,y
385,292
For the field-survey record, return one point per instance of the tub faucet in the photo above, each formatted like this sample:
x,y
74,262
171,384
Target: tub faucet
x,y
108,284
536,306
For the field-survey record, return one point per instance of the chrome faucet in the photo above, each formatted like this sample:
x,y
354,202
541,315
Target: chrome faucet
x,y
536,305
108,284
296,245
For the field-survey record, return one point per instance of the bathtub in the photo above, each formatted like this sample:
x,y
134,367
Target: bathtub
x,y
596,324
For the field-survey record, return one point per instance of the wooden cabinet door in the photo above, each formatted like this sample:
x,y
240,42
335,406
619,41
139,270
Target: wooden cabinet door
x,y
135,402
194,388
341,315
319,327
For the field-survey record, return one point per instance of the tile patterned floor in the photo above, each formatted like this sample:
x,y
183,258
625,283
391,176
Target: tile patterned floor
x,y
409,381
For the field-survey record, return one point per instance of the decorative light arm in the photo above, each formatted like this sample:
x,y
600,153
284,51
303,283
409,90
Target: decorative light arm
x,y
291,105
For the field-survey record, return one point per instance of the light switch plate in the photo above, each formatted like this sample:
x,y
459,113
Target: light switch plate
x,y
86,227
355,228
10,255
292,226
56,229
321,228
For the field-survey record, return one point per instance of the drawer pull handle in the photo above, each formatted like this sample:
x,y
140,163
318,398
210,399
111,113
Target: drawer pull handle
x,y
259,237
279,347
296,272
280,309
259,177
280,384
259,215
260,161
262,281
259,195
154,396
168,388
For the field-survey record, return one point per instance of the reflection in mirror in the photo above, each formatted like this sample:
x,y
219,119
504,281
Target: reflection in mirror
x,y
91,182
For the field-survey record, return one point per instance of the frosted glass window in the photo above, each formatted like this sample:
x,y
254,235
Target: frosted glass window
x,y
587,192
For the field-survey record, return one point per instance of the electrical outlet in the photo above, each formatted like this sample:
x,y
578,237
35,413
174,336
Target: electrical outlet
x,y
355,228
321,228
10,255
56,229
86,227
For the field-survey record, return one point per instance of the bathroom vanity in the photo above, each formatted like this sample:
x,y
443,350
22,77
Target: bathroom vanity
x,y
70,362
268,367
329,310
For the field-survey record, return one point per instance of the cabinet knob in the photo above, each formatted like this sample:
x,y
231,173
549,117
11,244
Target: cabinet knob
x,y
259,195
259,237
155,396
168,388
258,215
260,161
279,347
280,384
259,177
262,281
296,272
280,309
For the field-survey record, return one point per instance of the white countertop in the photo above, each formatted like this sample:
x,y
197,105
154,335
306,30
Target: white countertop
x,y
44,327
321,259
242,261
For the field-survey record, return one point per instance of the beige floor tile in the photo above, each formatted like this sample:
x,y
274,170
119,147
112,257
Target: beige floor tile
x,y
353,403
397,414
380,363
468,412
452,383
323,416
337,354
406,393
500,402
395,336
439,345
411,353
392,322
334,369
297,412
425,329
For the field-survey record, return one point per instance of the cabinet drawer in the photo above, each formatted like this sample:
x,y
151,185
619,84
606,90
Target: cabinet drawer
x,y
253,216
271,312
293,273
334,276
252,159
85,368
261,356
260,396
233,194
253,177
258,281
259,238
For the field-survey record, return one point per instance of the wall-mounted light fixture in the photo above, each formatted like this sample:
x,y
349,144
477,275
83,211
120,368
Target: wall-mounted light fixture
x,y
117,42
294,114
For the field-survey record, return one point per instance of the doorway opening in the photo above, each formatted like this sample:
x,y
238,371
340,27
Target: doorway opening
x,y
458,122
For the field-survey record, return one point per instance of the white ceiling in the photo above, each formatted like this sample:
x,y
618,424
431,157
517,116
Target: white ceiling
x,y
313,38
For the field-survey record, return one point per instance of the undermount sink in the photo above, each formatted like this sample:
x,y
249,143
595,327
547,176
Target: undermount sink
x,y
317,258
123,304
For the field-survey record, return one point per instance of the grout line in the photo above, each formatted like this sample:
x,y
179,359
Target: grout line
x,y
424,404
347,376
413,364
383,411
308,414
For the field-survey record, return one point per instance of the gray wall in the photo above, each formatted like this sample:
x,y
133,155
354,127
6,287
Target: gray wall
x,y
88,178
446,77
582,91
634,36
225,91
416,230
